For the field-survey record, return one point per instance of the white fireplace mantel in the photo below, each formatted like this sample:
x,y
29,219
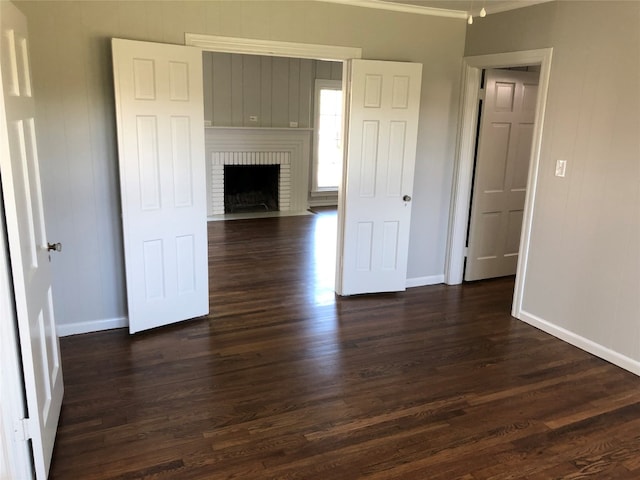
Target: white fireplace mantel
x,y
288,147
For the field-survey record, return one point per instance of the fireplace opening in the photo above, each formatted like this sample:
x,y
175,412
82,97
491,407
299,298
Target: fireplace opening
x,y
251,188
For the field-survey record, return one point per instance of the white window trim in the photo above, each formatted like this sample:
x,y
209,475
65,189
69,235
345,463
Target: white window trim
x,y
319,85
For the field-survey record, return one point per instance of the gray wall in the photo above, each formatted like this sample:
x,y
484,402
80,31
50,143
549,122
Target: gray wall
x,y
274,89
585,245
71,61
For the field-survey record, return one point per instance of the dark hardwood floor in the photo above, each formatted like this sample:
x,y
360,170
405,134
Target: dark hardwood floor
x,y
283,380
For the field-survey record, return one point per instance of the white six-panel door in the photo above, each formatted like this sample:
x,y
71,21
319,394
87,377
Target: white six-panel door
x,y
160,119
502,167
382,125
27,238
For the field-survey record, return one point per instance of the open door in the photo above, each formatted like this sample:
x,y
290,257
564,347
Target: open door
x,y
28,246
160,120
383,101
502,168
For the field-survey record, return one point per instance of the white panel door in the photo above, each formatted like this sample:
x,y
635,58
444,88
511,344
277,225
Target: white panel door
x,y
382,126
28,247
160,119
502,167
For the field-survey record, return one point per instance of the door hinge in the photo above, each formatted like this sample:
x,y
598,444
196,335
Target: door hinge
x,y
481,94
465,252
22,429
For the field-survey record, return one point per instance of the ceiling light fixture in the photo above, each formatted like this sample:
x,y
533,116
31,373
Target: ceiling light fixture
x,y
483,12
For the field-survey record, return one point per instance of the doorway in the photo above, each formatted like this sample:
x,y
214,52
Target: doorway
x,y
164,235
327,53
505,127
260,111
463,173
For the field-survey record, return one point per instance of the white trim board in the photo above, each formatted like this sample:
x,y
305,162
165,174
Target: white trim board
x,y
76,328
465,150
583,343
272,48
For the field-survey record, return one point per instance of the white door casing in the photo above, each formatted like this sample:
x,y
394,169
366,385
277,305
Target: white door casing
x,y
160,123
502,166
383,100
27,239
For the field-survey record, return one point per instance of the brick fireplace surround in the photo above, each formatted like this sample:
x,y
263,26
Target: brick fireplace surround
x,y
287,147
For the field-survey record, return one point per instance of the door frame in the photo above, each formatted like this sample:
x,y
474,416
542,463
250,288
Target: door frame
x,y
271,48
465,155
252,46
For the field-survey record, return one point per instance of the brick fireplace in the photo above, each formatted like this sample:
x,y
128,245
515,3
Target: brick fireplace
x,y
220,159
287,148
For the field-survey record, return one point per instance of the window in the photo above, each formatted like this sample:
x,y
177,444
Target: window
x,y
327,164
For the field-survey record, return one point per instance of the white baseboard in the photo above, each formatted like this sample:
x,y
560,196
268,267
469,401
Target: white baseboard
x,y
323,202
423,281
65,330
583,343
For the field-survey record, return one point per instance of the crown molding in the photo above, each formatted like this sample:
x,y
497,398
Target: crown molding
x,y
438,12
401,7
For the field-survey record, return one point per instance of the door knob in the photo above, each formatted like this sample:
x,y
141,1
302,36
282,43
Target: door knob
x,y
54,246
406,198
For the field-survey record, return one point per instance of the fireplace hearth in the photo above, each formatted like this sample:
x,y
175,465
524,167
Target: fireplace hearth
x,y
251,188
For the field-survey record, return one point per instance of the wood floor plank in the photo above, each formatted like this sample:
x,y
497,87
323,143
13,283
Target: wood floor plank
x,y
284,380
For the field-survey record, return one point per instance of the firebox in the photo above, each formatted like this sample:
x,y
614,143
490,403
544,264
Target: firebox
x,y
251,188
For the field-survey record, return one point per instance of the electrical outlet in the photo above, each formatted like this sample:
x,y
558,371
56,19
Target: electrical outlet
x,y
561,168
253,118
207,123
293,124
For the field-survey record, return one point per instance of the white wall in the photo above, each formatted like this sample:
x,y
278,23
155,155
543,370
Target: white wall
x,y
71,62
583,279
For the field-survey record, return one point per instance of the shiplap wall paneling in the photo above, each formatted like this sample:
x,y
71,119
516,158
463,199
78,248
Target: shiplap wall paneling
x,y
237,91
279,92
305,93
251,90
294,92
275,91
265,91
221,97
207,98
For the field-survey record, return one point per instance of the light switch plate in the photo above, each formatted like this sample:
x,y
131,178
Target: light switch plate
x,y
561,168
